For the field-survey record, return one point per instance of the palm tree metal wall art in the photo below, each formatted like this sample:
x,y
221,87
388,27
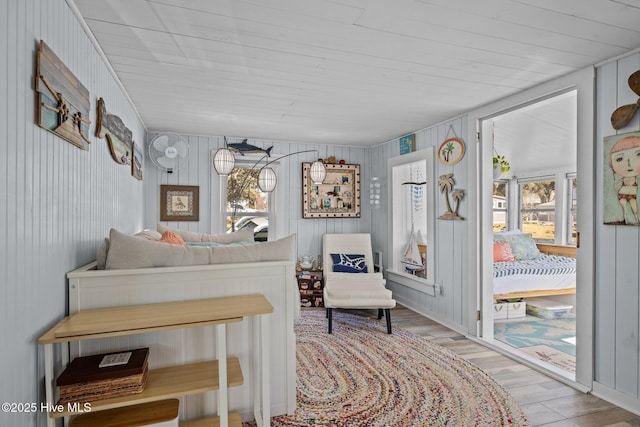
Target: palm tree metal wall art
x,y
446,184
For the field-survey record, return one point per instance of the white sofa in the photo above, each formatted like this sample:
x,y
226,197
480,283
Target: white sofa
x,y
270,272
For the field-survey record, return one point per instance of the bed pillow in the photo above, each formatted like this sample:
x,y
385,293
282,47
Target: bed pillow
x,y
522,245
349,263
189,236
502,252
172,238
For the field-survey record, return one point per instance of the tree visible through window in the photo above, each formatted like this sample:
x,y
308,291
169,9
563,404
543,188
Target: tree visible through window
x,y
538,209
247,206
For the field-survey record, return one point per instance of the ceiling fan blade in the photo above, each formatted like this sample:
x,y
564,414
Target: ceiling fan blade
x,y
161,143
166,162
623,115
634,82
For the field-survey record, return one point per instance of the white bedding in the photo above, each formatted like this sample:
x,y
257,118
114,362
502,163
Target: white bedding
x,y
549,272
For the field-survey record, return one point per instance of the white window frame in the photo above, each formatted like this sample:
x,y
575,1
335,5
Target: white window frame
x,y
568,205
275,200
397,241
562,203
508,222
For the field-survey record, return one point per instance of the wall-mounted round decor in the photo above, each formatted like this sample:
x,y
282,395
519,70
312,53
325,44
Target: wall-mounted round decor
x,y
451,151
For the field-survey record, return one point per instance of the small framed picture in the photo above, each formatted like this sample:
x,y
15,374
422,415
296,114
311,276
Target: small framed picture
x,y
408,144
179,203
136,163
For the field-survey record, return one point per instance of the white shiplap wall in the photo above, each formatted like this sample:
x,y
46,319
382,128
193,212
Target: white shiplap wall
x,y
198,170
57,202
617,295
451,251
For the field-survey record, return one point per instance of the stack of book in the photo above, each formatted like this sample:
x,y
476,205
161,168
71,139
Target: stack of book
x,y
104,376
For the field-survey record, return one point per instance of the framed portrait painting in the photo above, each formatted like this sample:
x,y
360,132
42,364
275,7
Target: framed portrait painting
x,y
620,181
179,203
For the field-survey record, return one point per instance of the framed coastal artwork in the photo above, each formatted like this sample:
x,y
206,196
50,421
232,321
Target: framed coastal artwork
x,y
63,101
179,203
338,196
136,163
451,151
621,158
408,144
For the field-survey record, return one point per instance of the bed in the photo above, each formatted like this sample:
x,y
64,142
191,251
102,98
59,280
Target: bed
x,y
266,268
534,270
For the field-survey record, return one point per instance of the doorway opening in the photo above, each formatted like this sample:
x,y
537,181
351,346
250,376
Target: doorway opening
x,y
534,206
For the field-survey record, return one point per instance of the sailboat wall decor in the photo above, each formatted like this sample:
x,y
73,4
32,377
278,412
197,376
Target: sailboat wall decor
x,y
412,259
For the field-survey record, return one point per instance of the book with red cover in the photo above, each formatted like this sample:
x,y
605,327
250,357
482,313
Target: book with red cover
x,y
85,369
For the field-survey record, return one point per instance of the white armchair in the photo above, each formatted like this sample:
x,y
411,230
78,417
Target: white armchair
x,y
359,290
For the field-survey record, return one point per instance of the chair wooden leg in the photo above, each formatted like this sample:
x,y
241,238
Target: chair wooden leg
x,y
379,313
387,313
330,317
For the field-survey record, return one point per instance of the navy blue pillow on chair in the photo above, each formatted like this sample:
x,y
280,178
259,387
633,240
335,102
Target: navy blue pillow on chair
x,y
349,263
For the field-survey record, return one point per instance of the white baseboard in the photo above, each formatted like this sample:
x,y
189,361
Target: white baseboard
x,y
432,315
625,401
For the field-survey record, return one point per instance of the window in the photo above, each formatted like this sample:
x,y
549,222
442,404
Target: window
x,y
247,206
411,209
500,203
538,209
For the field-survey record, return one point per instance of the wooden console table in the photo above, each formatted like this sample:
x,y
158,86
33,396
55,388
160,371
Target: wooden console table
x,y
174,381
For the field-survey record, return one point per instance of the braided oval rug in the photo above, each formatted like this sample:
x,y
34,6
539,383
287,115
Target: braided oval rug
x,y
361,376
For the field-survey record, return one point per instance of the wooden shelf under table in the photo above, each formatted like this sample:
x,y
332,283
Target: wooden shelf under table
x,y
144,413
173,381
168,382
234,421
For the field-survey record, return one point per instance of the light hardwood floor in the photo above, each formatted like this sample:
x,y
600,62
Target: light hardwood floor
x,y
545,401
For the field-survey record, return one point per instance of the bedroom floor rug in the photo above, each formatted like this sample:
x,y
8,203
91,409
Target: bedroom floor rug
x,y
552,341
361,376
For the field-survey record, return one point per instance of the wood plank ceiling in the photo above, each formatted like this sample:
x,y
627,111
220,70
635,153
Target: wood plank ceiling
x,y
347,72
